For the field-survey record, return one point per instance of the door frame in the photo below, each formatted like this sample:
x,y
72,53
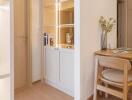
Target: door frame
x,y
29,41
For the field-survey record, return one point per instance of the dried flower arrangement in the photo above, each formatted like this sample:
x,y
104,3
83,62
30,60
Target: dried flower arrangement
x,y
106,26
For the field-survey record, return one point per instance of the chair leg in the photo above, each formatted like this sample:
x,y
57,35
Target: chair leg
x,y
95,95
125,94
100,93
125,87
96,79
106,95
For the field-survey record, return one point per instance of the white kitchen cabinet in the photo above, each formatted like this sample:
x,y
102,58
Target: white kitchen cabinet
x,y
59,69
52,64
67,69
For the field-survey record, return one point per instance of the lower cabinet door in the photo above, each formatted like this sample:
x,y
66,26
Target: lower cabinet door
x,y
52,64
67,69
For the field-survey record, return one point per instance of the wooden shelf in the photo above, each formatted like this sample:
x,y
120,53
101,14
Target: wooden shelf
x,y
59,26
67,5
66,25
50,6
51,26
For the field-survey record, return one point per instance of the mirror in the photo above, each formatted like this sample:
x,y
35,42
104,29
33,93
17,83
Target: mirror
x,y
124,15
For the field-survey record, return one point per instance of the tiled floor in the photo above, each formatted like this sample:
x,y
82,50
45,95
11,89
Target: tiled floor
x,y
40,91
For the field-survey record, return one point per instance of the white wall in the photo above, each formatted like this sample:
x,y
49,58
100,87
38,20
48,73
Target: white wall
x,y
90,12
77,50
36,41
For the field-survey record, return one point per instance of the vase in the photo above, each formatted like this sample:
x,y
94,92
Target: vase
x,y
104,41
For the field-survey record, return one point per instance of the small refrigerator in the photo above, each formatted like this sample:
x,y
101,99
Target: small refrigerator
x,y
5,51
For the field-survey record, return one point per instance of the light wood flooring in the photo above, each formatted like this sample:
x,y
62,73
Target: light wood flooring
x,y
112,97
40,91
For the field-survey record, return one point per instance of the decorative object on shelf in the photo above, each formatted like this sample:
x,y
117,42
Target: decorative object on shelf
x,y
68,39
52,42
106,26
45,39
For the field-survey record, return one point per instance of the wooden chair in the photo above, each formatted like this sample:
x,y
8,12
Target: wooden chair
x,y
115,72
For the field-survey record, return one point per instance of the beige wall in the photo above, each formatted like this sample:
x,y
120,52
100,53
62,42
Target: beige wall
x,y
90,33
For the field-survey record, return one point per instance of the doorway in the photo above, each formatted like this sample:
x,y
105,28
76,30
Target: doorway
x,y
27,42
20,44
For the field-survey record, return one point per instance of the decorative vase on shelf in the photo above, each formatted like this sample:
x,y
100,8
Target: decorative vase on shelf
x,y
106,27
104,41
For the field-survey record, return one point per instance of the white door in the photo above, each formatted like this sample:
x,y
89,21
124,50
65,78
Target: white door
x,y
5,63
52,64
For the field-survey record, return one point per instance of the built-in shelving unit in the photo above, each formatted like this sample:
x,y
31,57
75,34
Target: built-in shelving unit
x,y
59,20
59,26
58,23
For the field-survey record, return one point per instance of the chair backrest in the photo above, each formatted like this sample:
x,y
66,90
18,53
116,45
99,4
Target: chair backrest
x,y
114,62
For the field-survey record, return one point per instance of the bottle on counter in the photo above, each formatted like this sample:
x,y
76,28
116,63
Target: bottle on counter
x,y
45,39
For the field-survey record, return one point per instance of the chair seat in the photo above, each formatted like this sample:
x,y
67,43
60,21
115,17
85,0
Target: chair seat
x,y
115,75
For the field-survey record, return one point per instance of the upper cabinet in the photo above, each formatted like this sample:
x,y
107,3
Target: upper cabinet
x,y
50,13
58,22
50,18
66,22
66,13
